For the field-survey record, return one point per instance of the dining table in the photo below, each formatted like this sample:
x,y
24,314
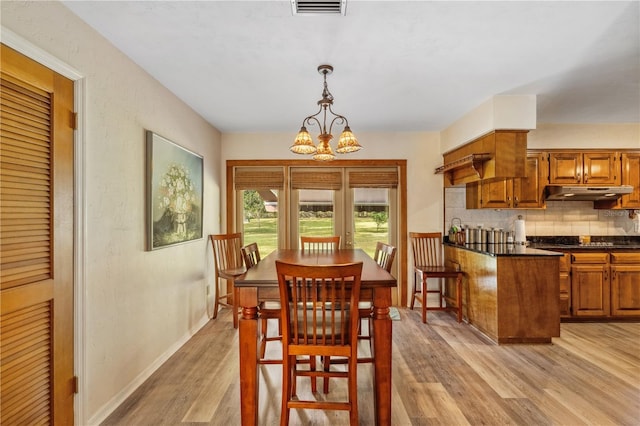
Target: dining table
x,y
260,283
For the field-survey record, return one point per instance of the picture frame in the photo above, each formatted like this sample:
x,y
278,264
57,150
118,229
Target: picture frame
x,y
174,193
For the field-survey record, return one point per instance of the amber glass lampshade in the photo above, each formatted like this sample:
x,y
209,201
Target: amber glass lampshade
x,y
324,152
303,144
347,142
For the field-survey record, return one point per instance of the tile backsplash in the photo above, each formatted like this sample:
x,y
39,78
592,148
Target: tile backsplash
x,y
559,218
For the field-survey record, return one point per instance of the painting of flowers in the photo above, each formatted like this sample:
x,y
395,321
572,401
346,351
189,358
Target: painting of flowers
x,y
174,193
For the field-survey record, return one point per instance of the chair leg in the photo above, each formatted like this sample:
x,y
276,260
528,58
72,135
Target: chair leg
x,y
236,306
326,366
459,296
353,390
286,389
263,337
424,298
413,296
216,303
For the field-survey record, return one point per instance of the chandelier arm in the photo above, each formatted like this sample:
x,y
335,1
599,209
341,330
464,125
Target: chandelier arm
x,y
308,120
341,118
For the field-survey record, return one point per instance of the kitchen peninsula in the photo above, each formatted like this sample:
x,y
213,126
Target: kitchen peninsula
x,y
510,292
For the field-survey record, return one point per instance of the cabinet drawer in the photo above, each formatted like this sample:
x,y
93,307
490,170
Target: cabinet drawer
x,y
589,257
629,258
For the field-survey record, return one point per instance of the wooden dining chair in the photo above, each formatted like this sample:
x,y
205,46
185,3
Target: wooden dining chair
x,y
229,265
319,318
428,263
383,256
309,243
268,309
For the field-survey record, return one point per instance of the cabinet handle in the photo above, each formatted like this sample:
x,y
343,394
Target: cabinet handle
x,y
606,276
573,258
613,274
586,178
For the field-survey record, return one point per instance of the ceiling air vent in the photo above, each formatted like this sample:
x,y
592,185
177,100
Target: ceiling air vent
x,y
319,7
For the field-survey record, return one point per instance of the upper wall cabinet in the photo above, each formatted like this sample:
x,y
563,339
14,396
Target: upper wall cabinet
x,y
521,193
584,168
630,175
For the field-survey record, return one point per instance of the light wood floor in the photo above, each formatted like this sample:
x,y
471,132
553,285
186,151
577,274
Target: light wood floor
x,y
443,373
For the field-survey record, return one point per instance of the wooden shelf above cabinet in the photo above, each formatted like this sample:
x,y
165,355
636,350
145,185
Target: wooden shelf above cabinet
x,y
499,154
470,165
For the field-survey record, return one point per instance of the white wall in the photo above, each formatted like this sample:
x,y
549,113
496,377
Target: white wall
x,y
138,306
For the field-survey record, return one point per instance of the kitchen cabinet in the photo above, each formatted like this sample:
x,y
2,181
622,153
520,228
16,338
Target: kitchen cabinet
x,y
565,285
590,286
625,284
630,175
519,193
584,168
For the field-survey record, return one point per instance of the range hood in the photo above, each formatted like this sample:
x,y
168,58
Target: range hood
x,y
587,193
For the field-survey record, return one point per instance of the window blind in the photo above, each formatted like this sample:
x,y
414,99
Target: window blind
x,y
383,178
258,178
316,179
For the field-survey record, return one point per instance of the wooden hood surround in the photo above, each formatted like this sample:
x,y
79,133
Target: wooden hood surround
x,y
500,154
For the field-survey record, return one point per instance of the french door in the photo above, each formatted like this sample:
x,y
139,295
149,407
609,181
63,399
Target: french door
x,y
359,204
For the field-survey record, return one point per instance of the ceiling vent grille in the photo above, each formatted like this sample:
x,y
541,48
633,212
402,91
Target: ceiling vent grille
x,y
319,7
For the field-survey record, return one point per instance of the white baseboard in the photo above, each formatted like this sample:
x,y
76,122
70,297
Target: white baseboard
x,y
121,396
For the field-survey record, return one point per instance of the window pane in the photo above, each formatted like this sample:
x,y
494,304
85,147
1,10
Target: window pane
x,y
315,212
260,224
370,218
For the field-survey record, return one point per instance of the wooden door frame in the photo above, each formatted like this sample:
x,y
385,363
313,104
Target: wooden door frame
x,y
401,256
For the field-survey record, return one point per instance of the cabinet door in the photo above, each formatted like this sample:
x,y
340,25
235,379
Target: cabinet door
x,y
565,168
528,192
625,290
601,168
590,290
631,176
496,195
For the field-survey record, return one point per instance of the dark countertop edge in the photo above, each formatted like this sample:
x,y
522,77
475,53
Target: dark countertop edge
x,y
518,250
564,248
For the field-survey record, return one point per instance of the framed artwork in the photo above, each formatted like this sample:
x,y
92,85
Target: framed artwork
x,y
174,193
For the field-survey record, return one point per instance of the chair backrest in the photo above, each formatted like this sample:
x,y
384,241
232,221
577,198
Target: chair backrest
x,y
384,255
226,251
320,304
331,243
251,255
427,248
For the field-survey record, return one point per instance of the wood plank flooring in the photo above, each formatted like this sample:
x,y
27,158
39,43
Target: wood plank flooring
x,y
444,373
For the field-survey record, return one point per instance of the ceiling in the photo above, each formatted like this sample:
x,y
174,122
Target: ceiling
x,y
399,66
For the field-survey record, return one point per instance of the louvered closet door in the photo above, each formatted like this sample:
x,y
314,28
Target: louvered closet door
x,y
36,244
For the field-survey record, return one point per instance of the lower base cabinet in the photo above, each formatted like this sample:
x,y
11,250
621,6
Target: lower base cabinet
x,y
625,284
603,285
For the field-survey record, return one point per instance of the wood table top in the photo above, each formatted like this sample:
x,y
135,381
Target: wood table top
x,y
264,273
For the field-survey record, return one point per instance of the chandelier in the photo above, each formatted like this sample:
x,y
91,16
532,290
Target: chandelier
x,y
303,143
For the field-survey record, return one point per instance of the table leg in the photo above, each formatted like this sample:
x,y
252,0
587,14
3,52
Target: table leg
x,y
382,339
248,351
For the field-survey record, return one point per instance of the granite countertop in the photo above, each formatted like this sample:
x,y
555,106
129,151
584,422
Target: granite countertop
x,y
498,250
598,243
